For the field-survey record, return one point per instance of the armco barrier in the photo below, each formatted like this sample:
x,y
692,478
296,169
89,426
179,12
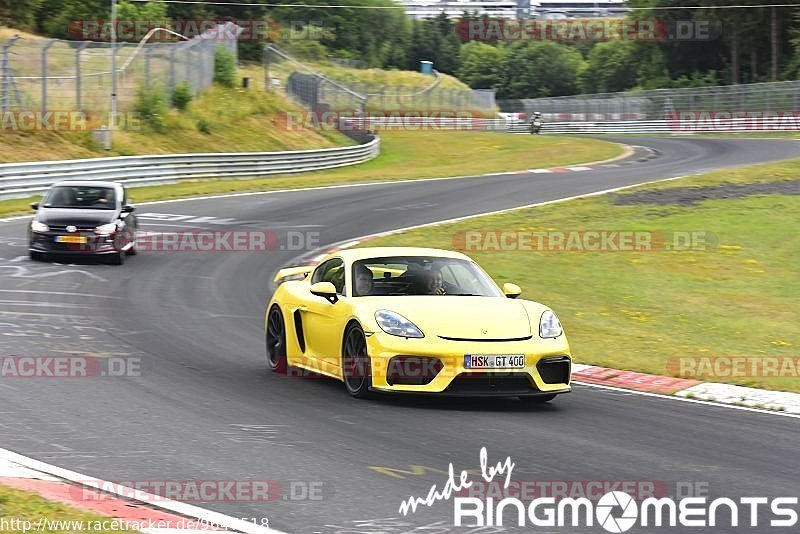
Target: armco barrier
x,y
671,126
25,179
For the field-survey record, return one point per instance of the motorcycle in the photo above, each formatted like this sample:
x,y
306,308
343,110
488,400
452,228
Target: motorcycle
x,y
536,125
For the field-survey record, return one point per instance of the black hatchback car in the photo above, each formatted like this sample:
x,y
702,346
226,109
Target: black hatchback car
x,y
83,218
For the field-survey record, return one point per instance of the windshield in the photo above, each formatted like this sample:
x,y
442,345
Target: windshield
x,y
81,197
418,275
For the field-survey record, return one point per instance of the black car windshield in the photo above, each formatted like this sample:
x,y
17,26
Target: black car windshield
x,y
81,197
419,275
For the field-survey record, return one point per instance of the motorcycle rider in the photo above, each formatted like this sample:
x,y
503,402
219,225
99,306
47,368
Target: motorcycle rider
x,y
536,123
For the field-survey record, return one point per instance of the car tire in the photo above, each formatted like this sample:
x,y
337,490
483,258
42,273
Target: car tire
x,y
537,400
132,251
276,341
356,368
37,256
118,258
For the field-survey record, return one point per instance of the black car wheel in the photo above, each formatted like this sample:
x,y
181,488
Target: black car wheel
x,y
276,341
37,256
118,258
356,369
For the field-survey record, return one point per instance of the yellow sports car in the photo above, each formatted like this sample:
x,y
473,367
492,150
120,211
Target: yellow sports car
x,y
415,320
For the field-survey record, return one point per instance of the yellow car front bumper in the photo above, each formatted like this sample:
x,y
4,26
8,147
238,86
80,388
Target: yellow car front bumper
x,y
436,365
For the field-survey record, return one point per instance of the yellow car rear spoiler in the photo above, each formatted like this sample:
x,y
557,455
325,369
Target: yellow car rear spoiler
x,y
293,271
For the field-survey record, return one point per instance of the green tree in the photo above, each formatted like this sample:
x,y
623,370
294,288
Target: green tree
x,y
480,65
610,67
224,67
18,13
539,69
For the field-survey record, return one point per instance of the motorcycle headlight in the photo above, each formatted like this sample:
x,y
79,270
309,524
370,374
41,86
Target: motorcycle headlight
x,y
36,226
396,325
105,229
549,325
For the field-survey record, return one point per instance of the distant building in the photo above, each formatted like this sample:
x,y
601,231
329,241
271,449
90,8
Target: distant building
x,y
513,9
561,9
427,9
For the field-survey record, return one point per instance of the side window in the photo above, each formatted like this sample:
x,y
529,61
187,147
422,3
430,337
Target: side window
x,y
331,271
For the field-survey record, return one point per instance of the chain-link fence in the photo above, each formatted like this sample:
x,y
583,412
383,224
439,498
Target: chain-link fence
x,y
51,74
758,99
317,90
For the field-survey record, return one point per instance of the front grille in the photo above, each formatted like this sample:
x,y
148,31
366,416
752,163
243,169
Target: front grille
x,y
491,340
491,383
63,228
554,370
412,370
48,241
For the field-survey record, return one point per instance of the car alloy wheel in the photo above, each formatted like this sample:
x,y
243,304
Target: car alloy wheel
x,y
276,341
356,369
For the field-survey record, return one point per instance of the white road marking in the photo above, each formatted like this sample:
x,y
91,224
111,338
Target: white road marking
x,y
540,171
9,469
23,272
579,168
41,304
59,293
750,397
188,510
684,399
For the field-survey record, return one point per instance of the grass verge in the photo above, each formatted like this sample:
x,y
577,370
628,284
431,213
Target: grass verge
x,y
29,508
404,155
650,311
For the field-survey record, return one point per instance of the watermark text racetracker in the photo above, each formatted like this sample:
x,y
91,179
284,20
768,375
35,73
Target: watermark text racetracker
x,y
554,240
228,240
242,490
64,120
69,366
584,29
615,510
705,367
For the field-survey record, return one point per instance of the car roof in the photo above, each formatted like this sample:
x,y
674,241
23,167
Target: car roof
x,y
89,183
355,254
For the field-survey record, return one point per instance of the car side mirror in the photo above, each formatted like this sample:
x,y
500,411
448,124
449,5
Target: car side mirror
x,y
34,205
512,291
128,208
325,290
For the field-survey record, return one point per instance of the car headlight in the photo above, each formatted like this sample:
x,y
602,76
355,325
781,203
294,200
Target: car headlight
x,y
549,325
36,226
396,325
105,229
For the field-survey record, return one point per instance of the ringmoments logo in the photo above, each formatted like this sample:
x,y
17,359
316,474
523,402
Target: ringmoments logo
x,y
615,511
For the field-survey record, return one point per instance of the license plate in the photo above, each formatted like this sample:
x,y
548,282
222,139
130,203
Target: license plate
x,y
70,239
494,361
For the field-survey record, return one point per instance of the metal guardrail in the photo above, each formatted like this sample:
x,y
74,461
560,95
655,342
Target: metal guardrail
x,y
25,179
676,126
600,127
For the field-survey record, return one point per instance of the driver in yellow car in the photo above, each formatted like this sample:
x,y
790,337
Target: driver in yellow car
x,y
363,280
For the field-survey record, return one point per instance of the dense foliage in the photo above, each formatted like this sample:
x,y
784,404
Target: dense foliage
x,y
724,46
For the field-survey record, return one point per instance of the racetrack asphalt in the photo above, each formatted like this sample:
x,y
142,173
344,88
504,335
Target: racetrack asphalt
x,y
205,408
